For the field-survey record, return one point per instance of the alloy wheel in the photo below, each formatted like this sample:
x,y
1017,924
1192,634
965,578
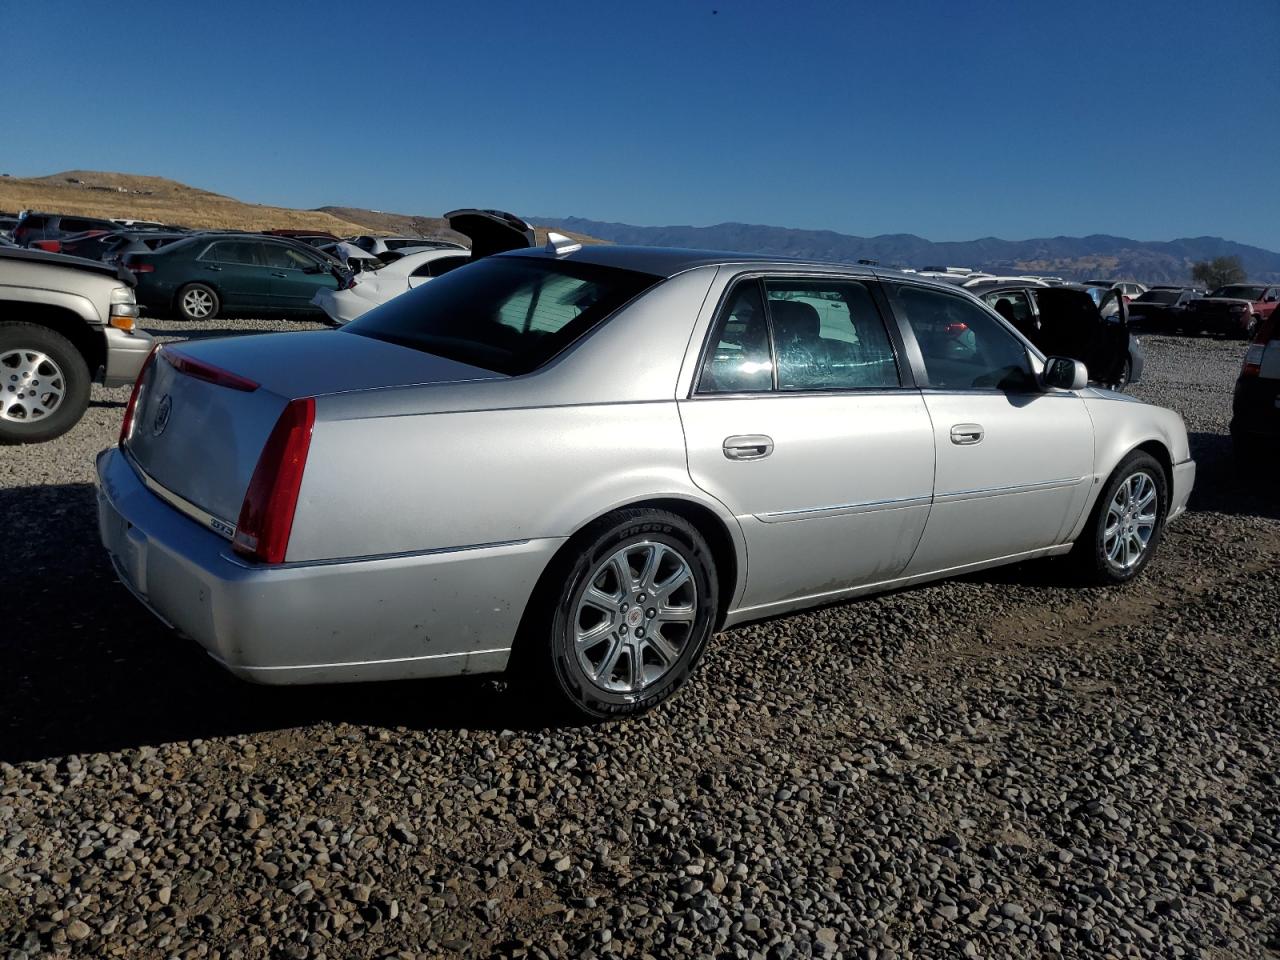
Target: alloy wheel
x,y
32,385
1131,521
635,616
197,304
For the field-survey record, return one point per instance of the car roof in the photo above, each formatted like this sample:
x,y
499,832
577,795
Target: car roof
x,y
669,261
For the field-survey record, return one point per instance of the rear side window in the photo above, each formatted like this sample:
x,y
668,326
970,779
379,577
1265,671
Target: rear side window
x,y
828,335
740,361
507,314
232,251
439,266
72,225
963,346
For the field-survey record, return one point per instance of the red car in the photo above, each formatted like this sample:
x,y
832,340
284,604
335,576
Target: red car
x,y
1233,310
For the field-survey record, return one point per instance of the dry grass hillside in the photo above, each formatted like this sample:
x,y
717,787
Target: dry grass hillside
x,y
96,194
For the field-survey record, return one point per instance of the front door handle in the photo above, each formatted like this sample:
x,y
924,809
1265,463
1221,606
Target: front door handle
x,y
754,446
966,433
214,267
280,273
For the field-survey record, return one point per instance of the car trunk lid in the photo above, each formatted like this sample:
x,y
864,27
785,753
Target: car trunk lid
x,y
205,410
491,231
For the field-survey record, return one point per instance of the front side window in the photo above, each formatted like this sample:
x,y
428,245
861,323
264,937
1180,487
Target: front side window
x,y
278,255
828,335
963,346
740,361
507,314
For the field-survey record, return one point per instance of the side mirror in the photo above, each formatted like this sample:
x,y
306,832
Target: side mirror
x,y
1065,374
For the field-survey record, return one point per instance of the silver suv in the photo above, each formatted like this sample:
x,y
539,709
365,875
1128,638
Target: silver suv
x,y
64,322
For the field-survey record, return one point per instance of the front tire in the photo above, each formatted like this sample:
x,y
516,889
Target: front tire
x,y
44,384
196,301
624,619
1127,522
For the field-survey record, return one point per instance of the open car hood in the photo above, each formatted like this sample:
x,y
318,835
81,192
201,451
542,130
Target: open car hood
x,y
490,231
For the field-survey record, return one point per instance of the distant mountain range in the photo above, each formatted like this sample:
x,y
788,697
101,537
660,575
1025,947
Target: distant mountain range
x,y
1077,258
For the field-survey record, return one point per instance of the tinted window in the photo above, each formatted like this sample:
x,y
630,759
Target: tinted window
x,y
963,346
278,255
1015,307
740,361
1159,296
508,314
72,225
828,335
1237,292
439,266
232,251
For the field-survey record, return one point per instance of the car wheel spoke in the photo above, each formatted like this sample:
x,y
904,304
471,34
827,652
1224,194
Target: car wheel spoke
x,y
634,616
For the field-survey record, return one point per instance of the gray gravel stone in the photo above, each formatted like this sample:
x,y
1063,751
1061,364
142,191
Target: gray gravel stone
x,y
1003,765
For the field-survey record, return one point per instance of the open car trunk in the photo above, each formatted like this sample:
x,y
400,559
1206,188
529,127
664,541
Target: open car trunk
x,y
490,231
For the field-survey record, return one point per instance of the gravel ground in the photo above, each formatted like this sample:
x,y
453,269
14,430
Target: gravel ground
x,y
1000,766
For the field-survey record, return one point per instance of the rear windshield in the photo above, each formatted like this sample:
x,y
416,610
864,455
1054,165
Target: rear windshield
x,y
507,314
1239,293
1159,296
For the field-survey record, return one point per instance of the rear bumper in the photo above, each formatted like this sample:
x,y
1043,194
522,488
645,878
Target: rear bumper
x,y
126,353
1184,481
438,613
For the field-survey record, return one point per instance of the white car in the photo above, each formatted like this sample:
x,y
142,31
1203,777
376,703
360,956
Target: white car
x,y
378,245
376,284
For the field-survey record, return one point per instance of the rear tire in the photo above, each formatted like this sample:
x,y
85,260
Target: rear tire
x,y
618,624
197,301
1127,522
44,384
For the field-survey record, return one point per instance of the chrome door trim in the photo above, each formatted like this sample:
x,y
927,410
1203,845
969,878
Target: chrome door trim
x,y
1006,491
843,510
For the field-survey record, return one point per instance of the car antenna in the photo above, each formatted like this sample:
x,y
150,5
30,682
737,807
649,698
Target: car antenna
x,y
559,245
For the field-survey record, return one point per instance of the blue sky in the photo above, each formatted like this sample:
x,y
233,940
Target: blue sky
x,y
951,120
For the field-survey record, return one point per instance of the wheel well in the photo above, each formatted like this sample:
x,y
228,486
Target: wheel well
x,y
1157,449
87,339
718,539
702,519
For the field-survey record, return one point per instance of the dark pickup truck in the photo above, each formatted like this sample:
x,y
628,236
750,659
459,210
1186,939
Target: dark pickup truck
x,y
1234,310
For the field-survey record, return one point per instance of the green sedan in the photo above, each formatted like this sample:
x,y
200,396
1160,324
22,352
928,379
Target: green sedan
x,y
218,274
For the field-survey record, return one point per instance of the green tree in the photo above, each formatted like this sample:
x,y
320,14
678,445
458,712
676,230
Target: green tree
x,y
1218,272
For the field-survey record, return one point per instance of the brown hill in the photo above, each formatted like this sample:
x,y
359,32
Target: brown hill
x,y
94,193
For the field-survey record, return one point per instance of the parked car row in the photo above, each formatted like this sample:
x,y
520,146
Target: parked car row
x,y
199,275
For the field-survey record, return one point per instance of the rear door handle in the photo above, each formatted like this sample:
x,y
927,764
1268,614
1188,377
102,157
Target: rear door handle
x,y
279,273
966,433
753,446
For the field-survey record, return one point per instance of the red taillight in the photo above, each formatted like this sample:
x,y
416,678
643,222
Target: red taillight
x,y
126,425
200,370
139,267
266,517
955,329
48,246
1252,366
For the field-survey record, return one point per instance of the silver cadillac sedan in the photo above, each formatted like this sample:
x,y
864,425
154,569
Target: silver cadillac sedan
x,y
576,464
